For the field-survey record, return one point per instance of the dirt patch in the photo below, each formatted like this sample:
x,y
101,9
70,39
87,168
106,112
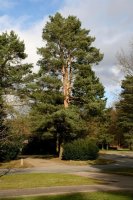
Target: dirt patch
x,y
29,162
15,164
38,162
42,162
108,157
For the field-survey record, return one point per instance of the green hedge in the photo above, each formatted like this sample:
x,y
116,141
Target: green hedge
x,y
8,151
81,149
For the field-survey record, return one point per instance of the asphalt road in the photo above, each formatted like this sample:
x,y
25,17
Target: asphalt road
x,y
123,160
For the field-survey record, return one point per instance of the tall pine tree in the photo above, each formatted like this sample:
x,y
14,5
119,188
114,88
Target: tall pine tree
x,y
67,44
67,56
12,78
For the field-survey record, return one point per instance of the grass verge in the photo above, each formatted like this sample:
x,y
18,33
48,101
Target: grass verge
x,y
17,181
101,161
98,161
82,196
14,164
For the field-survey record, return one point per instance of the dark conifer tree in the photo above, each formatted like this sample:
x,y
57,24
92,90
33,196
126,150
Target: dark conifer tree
x,y
65,75
88,93
125,110
12,79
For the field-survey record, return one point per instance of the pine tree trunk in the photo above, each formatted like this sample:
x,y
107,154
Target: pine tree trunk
x,y
57,145
67,81
65,86
131,146
61,151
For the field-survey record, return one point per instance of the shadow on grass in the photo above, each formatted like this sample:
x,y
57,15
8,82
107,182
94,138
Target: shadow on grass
x,y
128,171
82,196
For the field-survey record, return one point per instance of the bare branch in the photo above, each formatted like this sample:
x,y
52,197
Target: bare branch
x,y
126,61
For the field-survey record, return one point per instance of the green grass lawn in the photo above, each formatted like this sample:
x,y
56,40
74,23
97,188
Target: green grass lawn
x,y
82,196
16,181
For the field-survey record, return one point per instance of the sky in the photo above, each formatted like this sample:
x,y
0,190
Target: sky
x,y
109,21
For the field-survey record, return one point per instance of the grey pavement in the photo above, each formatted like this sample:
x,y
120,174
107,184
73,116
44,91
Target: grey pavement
x,y
67,169
123,160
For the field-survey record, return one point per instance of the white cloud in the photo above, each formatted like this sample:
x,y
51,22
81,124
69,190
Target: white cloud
x,y
9,23
5,23
33,40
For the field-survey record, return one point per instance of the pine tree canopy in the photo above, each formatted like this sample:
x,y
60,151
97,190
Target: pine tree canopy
x,y
125,106
88,93
66,88
68,50
12,71
12,79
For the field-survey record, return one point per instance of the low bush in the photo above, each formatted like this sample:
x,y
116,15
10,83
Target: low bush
x,y
8,151
81,149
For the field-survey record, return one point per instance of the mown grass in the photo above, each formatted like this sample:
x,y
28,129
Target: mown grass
x,y
16,181
82,196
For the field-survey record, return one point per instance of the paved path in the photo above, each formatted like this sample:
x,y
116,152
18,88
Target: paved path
x,y
64,169
59,190
49,166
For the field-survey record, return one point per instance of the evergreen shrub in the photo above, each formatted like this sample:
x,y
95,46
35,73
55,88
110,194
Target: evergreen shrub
x,y
81,149
8,151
